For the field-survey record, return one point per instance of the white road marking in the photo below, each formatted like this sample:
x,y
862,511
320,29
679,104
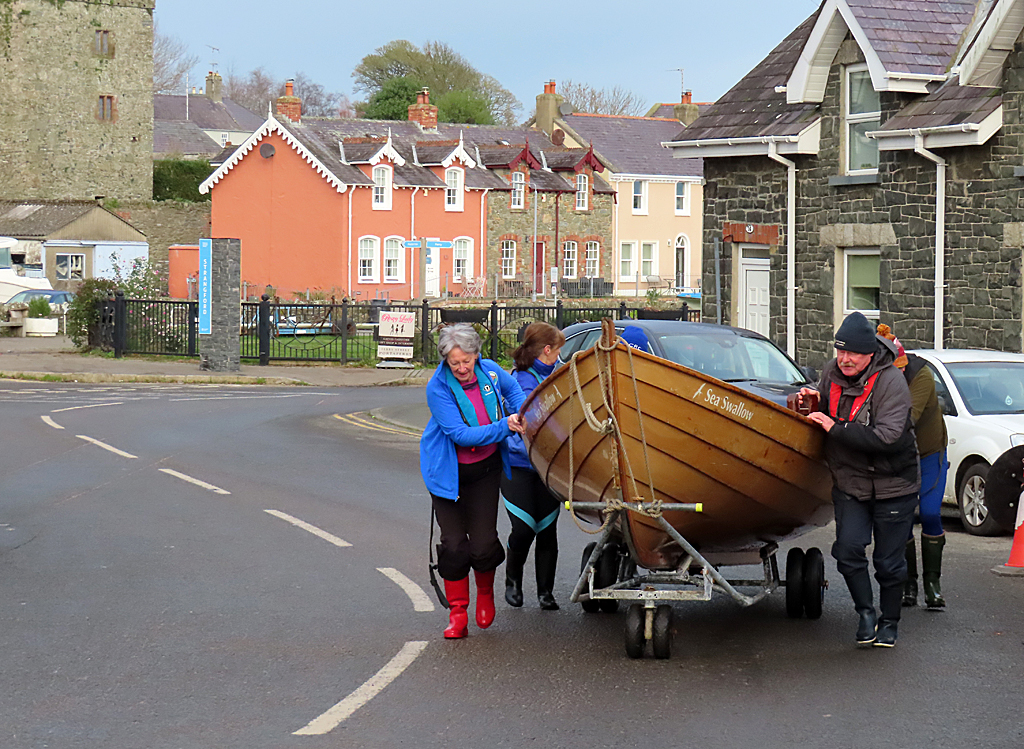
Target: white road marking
x,y
240,397
333,717
307,527
197,482
47,420
420,600
92,405
105,446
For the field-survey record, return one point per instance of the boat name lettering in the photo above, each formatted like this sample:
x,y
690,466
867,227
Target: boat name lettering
x,y
544,404
736,408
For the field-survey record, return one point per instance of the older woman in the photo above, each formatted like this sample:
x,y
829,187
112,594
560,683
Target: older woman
x,y
462,453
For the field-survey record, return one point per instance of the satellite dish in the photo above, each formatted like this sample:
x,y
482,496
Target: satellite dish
x,y
558,137
266,150
565,108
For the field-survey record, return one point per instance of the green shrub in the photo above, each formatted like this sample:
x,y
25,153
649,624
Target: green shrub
x,y
39,306
179,179
83,312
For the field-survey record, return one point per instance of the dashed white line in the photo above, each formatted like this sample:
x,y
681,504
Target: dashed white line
x,y
307,527
47,420
333,717
105,446
91,405
420,600
191,480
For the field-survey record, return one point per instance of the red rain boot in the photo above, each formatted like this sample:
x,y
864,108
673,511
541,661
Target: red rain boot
x,y
457,593
484,599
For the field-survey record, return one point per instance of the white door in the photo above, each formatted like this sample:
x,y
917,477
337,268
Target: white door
x,y
433,275
755,301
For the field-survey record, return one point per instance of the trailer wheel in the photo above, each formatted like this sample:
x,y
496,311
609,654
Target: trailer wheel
x,y
813,583
635,631
607,572
590,607
661,642
795,583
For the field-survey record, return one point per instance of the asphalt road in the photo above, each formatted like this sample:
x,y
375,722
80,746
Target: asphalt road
x,y
140,609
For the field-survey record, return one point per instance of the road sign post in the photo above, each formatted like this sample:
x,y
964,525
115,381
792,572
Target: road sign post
x,y
425,245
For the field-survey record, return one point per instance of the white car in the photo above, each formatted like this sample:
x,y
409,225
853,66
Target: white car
x,y
982,397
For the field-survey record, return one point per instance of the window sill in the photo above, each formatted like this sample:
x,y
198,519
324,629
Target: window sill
x,y
853,179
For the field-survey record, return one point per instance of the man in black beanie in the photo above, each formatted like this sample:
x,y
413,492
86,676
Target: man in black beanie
x,y
864,408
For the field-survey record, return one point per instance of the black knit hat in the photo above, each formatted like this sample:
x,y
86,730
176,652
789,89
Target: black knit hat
x,y
857,334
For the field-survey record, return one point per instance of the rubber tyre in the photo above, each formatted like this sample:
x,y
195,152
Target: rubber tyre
x,y
607,569
661,636
795,583
970,500
635,631
813,583
590,607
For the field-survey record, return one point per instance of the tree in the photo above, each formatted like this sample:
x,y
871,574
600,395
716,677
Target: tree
x,y
616,100
393,100
255,91
317,101
464,106
171,62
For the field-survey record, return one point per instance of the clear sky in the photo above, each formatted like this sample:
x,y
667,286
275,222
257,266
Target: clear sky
x,y
637,45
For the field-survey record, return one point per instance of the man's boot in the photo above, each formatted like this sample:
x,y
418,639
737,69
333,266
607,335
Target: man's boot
x,y
484,598
890,603
931,568
910,586
457,593
546,560
514,563
863,603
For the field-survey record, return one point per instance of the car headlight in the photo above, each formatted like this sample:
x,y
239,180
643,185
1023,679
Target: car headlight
x,y
1016,440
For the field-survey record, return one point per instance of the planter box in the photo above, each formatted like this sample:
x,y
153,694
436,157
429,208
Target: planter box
x,y
41,326
472,316
661,314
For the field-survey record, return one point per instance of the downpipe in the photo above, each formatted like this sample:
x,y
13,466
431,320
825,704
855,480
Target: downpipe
x,y
940,234
773,154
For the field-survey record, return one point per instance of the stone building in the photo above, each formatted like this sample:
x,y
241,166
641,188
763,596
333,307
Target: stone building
x,y
872,162
76,105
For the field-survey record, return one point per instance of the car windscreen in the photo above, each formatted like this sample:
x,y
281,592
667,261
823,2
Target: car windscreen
x,y
730,357
990,387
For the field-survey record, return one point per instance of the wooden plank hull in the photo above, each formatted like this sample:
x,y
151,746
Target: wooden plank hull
x,y
757,468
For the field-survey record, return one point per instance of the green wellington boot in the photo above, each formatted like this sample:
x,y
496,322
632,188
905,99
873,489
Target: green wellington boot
x,y
931,570
910,586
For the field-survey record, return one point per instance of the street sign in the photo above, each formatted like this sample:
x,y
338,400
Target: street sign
x,y
411,243
442,245
205,301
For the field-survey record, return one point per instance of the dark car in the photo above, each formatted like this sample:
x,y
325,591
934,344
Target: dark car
x,y
742,357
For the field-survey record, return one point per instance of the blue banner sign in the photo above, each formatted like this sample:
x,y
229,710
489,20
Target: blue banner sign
x,y
205,302
436,243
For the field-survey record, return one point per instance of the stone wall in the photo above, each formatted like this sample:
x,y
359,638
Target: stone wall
x,y
55,145
165,223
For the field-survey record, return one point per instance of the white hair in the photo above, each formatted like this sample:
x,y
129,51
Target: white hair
x,y
460,335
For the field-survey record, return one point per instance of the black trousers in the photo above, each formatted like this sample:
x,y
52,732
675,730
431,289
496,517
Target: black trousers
x,y
889,521
534,512
469,527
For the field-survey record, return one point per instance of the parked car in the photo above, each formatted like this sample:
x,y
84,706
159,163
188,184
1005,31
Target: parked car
x,y
742,357
59,300
982,397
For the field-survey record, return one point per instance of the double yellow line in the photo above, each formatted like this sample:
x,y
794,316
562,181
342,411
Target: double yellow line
x,y
364,421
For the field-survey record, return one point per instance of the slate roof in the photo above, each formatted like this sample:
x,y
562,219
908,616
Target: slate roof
x,y
668,111
632,145
207,114
752,107
186,138
223,155
950,105
38,219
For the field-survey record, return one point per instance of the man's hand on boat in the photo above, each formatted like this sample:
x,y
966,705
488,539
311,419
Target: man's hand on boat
x,y
821,419
516,424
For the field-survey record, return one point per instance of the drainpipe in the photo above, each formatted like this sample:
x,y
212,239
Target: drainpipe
x,y
412,235
557,264
773,154
351,190
481,270
940,234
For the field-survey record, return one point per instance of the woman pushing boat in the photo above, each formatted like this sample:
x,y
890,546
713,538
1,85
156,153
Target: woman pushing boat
x,y
532,509
871,451
462,453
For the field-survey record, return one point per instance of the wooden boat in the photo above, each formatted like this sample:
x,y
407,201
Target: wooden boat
x,y
756,468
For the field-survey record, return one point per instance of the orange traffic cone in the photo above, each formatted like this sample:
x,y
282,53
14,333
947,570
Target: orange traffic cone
x,y
1014,566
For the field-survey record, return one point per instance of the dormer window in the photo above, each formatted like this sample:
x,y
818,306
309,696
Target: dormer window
x,y
453,192
518,190
382,188
582,190
863,114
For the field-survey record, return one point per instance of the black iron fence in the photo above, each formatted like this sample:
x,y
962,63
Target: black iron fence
x,y
344,332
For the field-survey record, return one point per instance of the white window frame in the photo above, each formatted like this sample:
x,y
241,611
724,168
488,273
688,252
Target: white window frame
x,y
382,181
640,210
518,180
369,250
653,260
682,202
631,260
849,252
75,264
453,193
508,258
582,192
570,258
856,119
397,245
462,244
683,241
592,262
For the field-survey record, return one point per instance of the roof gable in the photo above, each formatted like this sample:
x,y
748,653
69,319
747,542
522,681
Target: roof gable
x,y
996,27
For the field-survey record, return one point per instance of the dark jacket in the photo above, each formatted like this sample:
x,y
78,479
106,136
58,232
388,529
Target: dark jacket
x,y
925,412
875,455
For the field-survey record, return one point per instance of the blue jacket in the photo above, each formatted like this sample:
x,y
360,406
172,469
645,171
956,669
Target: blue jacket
x,y
439,464
527,381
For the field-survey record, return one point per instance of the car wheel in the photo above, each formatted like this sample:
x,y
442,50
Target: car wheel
x,y
974,512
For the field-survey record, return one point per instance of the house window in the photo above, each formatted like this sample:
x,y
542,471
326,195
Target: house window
x,y
104,44
368,259
462,265
453,191
70,267
381,188
648,255
393,259
863,114
862,284
582,187
640,197
682,199
223,140
518,190
508,258
683,262
106,108
569,260
627,255
593,267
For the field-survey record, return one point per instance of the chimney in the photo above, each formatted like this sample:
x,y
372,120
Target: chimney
x,y
686,111
290,105
423,112
214,84
547,108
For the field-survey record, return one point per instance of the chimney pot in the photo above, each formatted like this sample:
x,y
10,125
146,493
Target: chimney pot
x,y
289,87
423,112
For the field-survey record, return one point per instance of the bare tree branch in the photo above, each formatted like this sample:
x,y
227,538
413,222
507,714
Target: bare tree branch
x,y
171,61
616,100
